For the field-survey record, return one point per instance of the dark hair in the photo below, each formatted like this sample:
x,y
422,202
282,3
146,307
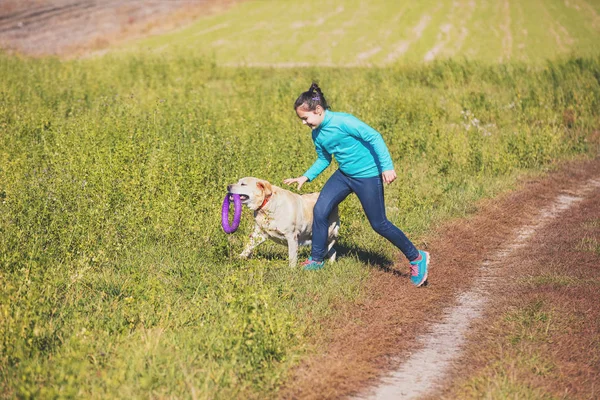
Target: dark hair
x,y
312,98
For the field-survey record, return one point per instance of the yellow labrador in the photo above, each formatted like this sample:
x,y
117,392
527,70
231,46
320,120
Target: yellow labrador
x,y
283,216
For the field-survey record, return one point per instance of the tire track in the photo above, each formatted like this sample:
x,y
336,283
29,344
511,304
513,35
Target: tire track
x,y
585,9
38,20
29,13
507,39
402,47
41,11
563,39
43,27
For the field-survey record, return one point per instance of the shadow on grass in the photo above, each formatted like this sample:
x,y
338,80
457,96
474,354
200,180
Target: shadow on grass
x,y
372,259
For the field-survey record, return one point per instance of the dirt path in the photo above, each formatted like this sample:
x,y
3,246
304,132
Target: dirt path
x,y
540,339
424,369
396,329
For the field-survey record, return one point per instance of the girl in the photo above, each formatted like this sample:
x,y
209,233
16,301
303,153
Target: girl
x,y
364,165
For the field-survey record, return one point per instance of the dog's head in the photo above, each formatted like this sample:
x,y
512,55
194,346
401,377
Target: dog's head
x,y
252,191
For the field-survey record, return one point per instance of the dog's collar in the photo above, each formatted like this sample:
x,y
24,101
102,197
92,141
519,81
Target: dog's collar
x,y
265,201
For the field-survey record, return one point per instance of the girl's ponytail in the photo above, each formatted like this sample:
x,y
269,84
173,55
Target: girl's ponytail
x,y
312,98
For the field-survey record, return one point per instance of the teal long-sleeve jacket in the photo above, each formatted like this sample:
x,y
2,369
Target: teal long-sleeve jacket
x,y
358,149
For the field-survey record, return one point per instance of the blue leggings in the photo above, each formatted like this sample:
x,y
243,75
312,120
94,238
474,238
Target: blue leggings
x,y
370,194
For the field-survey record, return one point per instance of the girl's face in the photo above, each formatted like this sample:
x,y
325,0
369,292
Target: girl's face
x,y
312,119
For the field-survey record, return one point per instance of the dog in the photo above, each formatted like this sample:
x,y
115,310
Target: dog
x,y
283,216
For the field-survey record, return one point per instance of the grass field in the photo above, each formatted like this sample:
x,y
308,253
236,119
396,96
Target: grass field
x,y
380,32
117,280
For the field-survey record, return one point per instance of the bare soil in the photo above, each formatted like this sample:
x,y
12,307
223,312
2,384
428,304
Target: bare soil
x,y
73,27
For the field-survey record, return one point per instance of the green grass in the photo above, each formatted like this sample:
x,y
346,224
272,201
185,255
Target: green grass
x,y
380,32
117,280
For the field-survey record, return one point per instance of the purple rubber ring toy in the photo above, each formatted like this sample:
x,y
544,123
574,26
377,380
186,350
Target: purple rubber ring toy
x,y
237,213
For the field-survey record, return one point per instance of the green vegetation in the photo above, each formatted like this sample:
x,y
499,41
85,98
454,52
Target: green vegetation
x,y
382,32
117,280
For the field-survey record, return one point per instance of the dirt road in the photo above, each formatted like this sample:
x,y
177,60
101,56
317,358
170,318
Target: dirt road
x,y
425,369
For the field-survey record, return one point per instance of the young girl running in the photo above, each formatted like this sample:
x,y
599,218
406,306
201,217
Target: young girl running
x,y
364,166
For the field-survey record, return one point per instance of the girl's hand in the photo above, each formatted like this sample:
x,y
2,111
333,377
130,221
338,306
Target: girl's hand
x,y
300,181
389,176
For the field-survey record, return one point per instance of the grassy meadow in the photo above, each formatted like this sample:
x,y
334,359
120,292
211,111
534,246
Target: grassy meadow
x,y
117,279
382,32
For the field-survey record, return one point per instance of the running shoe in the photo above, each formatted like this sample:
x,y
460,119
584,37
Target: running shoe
x,y
311,265
418,269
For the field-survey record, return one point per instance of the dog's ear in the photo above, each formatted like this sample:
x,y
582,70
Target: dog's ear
x,y
265,187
